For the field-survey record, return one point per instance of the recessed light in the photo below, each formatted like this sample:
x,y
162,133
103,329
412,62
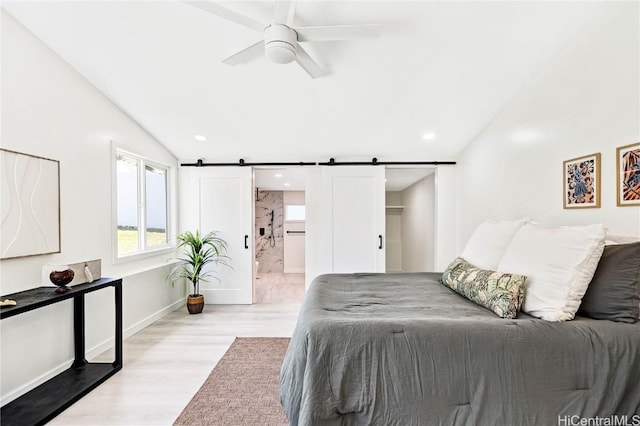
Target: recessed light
x,y
428,136
287,184
200,138
278,175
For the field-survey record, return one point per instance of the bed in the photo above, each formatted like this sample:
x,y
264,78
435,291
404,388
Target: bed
x,y
403,349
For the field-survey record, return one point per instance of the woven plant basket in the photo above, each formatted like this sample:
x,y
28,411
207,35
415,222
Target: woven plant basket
x,y
195,303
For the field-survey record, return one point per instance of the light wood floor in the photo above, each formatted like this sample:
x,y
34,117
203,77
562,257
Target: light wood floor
x,y
277,287
167,362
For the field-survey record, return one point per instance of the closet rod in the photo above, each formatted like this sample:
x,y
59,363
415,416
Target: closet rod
x,y
374,162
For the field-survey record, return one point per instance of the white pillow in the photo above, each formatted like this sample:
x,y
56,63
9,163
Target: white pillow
x,y
620,239
489,242
559,263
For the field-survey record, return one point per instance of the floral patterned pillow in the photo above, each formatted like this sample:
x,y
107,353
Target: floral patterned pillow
x,y
499,292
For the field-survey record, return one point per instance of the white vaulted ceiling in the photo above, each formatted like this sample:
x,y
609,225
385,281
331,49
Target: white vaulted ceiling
x,y
438,67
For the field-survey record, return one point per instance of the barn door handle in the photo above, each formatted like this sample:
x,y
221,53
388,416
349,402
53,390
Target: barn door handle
x,y
380,246
246,241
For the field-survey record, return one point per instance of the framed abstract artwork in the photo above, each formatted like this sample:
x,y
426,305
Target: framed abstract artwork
x,y
30,209
628,175
582,182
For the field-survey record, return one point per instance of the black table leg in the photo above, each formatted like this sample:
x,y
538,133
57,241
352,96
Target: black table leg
x,y
118,334
78,331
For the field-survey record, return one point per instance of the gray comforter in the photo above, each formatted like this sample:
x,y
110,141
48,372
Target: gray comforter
x,y
402,349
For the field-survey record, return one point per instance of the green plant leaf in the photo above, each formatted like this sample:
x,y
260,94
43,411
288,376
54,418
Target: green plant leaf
x,y
199,251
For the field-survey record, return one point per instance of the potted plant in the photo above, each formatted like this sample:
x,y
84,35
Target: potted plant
x,y
199,251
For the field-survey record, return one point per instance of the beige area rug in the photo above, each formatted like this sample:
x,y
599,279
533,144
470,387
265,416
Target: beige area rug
x,y
243,389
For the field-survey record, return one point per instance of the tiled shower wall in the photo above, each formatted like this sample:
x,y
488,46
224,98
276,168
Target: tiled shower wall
x,y
271,258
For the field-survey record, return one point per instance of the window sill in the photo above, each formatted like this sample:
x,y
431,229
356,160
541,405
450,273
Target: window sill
x,y
155,266
144,255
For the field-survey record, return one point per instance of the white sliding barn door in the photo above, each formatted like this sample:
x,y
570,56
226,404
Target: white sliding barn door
x,y
220,199
356,207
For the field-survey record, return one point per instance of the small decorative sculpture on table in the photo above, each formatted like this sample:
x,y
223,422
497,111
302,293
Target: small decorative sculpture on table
x,y
61,279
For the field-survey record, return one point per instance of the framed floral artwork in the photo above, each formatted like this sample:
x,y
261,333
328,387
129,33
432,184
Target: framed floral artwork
x,y
582,182
628,175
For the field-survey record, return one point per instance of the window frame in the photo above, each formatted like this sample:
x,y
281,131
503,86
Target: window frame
x,y
143,249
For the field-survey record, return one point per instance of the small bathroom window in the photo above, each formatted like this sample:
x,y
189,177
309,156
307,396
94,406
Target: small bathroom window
x,y
294,213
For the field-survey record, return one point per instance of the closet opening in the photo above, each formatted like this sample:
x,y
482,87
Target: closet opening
x,y
410,194
279,242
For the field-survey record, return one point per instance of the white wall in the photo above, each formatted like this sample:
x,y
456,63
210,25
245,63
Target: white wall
x,y
49,110
418,226
294,244
446,216
585,100
317,227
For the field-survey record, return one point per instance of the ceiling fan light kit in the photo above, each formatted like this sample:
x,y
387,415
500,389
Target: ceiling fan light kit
x,y
280,43
281,39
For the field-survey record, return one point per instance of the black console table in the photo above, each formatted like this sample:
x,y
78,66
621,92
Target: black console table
x,y
43,403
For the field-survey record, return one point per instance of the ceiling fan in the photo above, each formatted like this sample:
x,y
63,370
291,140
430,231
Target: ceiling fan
x,y
281,42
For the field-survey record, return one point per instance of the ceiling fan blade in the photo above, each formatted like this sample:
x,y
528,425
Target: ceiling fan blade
x,y
283,11
307,63
245,55
292,12
338,32
228,14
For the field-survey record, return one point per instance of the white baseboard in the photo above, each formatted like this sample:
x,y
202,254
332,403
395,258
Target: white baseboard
x,y
16,393
133,329
93,352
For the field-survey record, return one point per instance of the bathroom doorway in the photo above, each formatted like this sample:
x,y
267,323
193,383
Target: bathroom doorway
x,y
279,270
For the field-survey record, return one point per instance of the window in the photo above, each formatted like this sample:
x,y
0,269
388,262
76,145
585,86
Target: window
x,y
156,205
141,205
294,213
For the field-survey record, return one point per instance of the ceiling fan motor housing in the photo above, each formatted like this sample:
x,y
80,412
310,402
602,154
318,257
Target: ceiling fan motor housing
x,y
280,43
